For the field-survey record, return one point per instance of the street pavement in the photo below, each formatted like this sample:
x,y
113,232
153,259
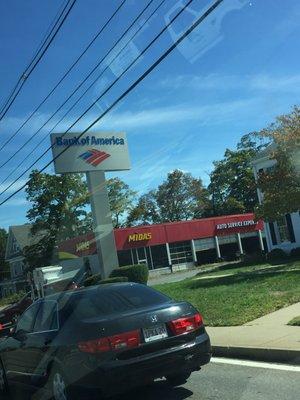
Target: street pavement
x,y
229,380
270,333
223,379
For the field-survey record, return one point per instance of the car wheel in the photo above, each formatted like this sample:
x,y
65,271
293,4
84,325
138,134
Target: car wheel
x,y
178,379
3,382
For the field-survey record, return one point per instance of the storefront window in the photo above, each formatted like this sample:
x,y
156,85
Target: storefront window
x,y
124,257
159,256
142,257
283,230
181,252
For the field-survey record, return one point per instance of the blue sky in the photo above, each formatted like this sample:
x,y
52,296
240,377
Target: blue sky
x,y
233,75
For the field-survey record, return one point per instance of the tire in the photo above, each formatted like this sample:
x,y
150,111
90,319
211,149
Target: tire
x,y
178,379
3,382
58,386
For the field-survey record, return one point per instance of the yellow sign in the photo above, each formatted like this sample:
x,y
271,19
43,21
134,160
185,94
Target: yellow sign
x,y
137,237
82,246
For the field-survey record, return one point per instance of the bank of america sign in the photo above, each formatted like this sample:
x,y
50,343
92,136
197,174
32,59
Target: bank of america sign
x,y
104,151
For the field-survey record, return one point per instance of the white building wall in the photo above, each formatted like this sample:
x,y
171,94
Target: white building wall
x,y
287,246
296,224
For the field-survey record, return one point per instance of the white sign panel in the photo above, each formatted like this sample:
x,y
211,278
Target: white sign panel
x,y
95,151
236,224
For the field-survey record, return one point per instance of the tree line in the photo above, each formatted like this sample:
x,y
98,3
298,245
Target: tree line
x,y
59,203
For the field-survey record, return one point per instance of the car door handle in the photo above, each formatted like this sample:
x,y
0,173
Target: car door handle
x,y
47,342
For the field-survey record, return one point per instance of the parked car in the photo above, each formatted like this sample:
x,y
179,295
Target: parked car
x,y
11,313
104,339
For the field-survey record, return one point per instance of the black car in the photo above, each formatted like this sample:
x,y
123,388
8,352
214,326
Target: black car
x,y
11,313
101,341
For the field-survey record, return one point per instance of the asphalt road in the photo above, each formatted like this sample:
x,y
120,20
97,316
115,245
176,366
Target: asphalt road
x,y
218,381
224,380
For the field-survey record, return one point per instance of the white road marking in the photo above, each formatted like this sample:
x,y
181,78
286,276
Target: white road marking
x,y
256,364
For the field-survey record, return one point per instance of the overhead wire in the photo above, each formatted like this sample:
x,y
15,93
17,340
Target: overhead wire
x,y
31,67
48,32
64,75
127,91
81,84
104,92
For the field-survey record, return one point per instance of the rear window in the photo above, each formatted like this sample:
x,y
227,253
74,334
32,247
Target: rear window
x,y
104,302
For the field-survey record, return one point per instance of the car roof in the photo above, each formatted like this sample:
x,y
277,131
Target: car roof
x,y
67,295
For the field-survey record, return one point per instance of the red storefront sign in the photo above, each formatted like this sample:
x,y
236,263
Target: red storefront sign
x,y
127,238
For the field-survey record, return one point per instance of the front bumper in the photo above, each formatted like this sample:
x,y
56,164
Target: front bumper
x,y
120,375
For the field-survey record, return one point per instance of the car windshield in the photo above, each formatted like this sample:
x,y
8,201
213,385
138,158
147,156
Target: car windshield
x,y
150,159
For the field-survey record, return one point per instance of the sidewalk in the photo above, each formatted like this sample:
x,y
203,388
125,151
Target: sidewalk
x,y
267,338
172,277
177,276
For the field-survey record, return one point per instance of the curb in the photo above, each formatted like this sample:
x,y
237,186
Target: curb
x,y
258,354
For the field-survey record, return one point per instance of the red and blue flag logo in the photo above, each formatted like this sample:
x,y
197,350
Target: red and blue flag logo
x,y
94,157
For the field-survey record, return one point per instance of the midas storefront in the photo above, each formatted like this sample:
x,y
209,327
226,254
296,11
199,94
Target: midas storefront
x,y
176,245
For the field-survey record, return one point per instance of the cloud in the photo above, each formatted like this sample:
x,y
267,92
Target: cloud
x,y
18,202
280,84
250,85
14,187
258,82
11,124
203,114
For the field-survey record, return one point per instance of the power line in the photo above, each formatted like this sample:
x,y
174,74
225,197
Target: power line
x,y
64,76
77,101
48,32
104,92
84,80
32,65
124,94
50,29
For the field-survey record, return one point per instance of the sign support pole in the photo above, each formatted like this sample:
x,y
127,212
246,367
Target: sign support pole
x,y
103,228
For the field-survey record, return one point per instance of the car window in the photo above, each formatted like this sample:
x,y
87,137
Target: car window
x,y
104,302
47,317
26,321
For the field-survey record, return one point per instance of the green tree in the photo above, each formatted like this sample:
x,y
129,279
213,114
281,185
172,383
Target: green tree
x,y
58,212
281,184
179,197
121,199
146,211
4,266
232,185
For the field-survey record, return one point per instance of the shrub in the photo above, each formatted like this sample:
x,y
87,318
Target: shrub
x,y
92,280
253,259
114,280
276,255
138,273
96,280
295,253
295,321
12,298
